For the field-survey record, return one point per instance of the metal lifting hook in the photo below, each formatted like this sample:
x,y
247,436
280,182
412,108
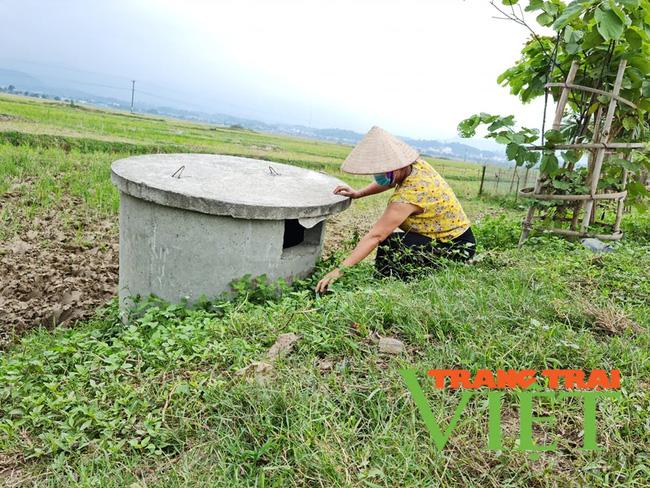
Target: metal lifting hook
x,y
178,172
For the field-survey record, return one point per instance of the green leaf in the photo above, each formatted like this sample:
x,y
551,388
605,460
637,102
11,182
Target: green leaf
x,y
572,48
544,19
645,89
568,33
551,8
592,39
511,151
571,35
502,122
624,163
467,127
503,138
635,76
569,14
620,13
561,185
609,24
553,136
572,156
633,38
640,62
532,158
635,188
519,138
487,118
549,163
631,4
534,5
629,123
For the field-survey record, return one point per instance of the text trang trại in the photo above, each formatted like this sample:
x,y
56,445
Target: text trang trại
x,y
554,384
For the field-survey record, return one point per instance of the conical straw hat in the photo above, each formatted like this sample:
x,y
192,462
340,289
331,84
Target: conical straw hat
x,y
378,152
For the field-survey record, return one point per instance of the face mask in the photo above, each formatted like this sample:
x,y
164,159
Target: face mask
x,y
384,179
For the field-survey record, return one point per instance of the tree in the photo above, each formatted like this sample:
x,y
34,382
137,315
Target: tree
x,y
597,34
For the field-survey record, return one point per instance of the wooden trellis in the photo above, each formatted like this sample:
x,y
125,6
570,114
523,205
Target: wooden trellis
x,y
600,146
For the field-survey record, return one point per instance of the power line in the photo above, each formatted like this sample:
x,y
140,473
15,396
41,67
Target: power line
x,y
250,112
101,85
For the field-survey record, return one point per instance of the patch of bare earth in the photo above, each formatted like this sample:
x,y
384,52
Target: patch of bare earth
x,y
8,117
60,266
343,227
58,269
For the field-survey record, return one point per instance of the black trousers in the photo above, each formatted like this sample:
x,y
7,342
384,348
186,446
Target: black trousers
x,y
405,254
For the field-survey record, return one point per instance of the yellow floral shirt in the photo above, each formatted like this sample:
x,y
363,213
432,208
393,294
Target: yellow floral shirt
x,y
443,218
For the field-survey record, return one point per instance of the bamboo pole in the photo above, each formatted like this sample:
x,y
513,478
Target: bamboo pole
x,y
612,96
574,198
557,121
594,145
620,206
597,134
603,237
595,176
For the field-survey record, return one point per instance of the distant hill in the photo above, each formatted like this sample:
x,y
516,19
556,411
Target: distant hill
x,y
28,84
20,79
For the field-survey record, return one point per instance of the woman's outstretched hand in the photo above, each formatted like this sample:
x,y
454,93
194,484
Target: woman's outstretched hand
x,y
346,191
323,284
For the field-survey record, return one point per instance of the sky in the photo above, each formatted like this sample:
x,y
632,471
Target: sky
x,y
413,67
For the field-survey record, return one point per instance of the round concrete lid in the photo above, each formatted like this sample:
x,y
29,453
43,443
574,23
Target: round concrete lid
x,y
229,185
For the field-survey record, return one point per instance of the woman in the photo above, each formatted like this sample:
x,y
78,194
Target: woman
x,y
423,206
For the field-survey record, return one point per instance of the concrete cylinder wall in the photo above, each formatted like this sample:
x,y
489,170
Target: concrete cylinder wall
x,y
175,253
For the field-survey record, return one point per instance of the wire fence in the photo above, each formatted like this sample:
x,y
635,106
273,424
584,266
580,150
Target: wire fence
x,y
491,180
506,181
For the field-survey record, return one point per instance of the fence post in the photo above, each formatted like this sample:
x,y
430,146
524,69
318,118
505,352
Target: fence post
x,y
496,188
480,188
517,190
526,177
512,181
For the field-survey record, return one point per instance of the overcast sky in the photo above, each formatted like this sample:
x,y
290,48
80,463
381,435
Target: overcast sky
x,y
414,67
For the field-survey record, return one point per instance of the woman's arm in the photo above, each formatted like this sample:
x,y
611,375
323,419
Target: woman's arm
x,y
393,216
372,189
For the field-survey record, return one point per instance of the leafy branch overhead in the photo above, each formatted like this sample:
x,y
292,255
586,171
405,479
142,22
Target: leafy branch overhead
x,y
597,34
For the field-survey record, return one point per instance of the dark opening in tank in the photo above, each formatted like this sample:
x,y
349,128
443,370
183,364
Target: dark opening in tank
x,y
294,233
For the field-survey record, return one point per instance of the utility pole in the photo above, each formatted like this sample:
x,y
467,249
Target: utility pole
x,y
132,93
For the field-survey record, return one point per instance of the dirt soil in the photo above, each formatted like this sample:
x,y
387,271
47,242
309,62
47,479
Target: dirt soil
x,y
63,265
57,270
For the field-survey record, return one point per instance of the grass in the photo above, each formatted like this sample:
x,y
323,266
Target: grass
x,y
160,402
52,150
55,124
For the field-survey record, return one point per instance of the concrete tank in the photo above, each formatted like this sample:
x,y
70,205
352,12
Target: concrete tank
x,y
190,224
